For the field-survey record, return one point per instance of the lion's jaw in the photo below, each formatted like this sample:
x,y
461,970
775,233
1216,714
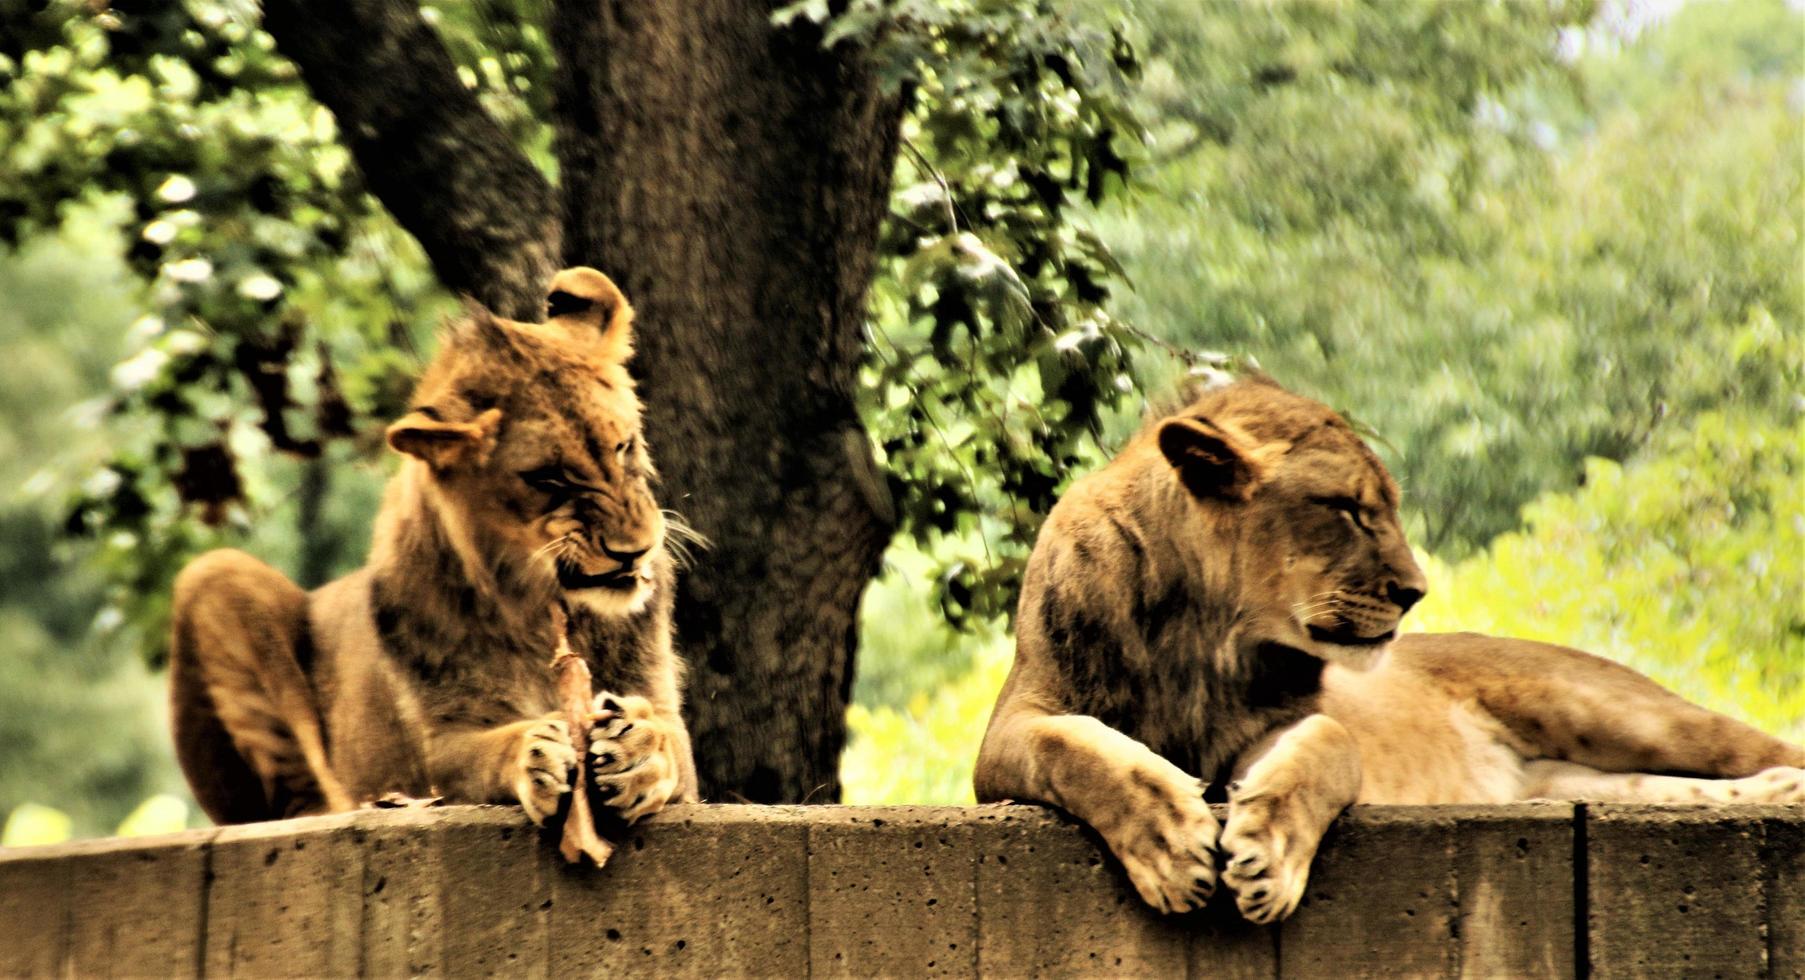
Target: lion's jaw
x,y
1354,657
625,593
1297,624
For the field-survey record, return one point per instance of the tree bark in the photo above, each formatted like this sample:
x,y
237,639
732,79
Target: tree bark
x,y
733,178
441,165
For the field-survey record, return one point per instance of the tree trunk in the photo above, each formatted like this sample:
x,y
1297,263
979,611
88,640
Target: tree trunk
x,y
447,171
733,177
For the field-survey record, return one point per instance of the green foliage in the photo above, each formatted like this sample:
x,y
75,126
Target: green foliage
x,y
280,309
279,312
924,689
33,824
1504,259
923,751
503,55
994,360
159,814
80,716
283,310
1687,563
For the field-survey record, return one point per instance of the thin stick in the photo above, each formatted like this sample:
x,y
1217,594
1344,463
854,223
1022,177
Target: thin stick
x,y
575,694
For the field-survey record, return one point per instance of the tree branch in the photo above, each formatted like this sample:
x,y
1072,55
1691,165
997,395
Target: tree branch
x,y
428,151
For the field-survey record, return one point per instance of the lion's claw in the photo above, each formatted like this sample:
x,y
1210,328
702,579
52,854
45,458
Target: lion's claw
x,y
1264,864
631,757
544,763
1167,843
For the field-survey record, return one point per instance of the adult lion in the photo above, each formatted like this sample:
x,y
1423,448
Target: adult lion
x,y
528,484
1217,606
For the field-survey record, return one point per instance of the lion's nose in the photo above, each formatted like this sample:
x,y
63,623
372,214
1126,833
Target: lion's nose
x,y
626,558
1404,596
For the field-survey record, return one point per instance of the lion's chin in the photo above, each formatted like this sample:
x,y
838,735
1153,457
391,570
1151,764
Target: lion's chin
x,y
1353,656
612,601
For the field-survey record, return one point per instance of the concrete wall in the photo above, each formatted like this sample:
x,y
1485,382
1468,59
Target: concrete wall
x,y
1526,890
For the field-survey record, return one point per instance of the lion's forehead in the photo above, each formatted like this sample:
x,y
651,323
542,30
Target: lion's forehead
x,y
574,431
1339,471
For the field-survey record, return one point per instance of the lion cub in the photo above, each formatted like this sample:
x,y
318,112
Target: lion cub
x,y
1218,606
527,483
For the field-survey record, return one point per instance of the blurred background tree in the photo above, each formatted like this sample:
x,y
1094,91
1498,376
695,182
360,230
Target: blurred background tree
x,y
1550,252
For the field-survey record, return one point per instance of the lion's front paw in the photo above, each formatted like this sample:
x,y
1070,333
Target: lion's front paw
x,y
632,754
1266,858
1167,841
543,763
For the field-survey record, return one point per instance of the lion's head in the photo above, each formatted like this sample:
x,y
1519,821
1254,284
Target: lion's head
x,y
528,436
1307,512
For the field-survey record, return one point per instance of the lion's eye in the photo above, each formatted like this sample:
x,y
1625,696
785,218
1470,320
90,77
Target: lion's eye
x,y
549,480
626,446
1346,506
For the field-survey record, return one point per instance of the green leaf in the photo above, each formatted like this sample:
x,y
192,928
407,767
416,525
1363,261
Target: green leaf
x,y
31,825
160,814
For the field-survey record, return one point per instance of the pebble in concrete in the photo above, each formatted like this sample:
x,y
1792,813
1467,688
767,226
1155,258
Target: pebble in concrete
x,y
891,893
1380,901
1051,902
701,891
1675,891
495,894
1783,856
284,898
1514,878
993,891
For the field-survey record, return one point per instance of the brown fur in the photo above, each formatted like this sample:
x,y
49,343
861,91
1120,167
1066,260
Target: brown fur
x,y
426,672
1213,608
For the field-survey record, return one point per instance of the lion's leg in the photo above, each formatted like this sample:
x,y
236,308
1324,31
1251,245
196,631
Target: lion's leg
x,y
1288,789
1150,812
1548,779
247,730
530,761
1565,704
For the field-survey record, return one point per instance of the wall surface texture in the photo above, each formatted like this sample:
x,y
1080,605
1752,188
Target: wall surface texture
x,y
1519,891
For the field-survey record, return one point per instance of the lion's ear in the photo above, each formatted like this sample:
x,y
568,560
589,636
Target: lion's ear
x,y
1211,462
424,434
591,308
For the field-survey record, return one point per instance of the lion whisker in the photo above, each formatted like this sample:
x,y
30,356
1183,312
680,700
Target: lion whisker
x,y
676,526
680,552
1305,610
558,544
682,540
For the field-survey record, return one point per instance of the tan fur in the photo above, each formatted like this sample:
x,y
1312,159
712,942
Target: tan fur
x,y
527,485
1214,608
